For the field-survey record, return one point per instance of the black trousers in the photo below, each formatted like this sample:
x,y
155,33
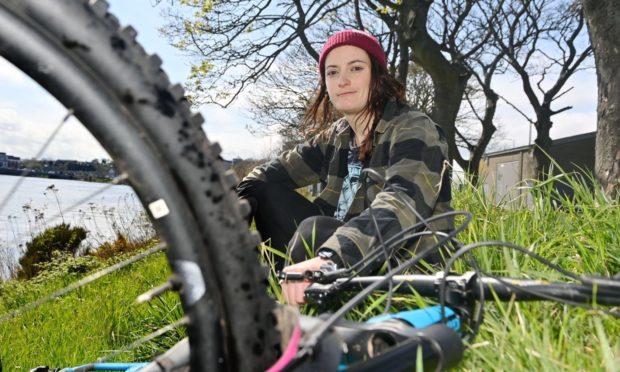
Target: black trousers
x,y
292,224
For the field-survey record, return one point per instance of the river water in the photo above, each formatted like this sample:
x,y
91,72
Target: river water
x,y
40,203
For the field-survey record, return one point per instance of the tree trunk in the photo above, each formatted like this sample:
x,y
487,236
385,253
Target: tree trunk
x,y
488,128
603,19
542,143
446,103
449,77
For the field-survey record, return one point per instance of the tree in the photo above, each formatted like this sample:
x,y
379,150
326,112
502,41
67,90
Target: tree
x,y
236,42
528,33
477,145
240,43
420,91
603,19
443,49
279,99
448,40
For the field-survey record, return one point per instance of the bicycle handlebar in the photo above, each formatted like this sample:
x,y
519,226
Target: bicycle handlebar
x,y
470,286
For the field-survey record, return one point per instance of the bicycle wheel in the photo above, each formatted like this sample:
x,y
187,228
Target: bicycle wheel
x,y
76,50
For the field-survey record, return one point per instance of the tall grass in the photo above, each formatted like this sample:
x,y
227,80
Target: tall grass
x,y
579,232
91,322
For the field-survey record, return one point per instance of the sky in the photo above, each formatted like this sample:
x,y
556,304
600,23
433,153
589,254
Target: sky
x,y
29,114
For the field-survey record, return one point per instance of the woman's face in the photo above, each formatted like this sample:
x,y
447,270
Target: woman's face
x,y
347,77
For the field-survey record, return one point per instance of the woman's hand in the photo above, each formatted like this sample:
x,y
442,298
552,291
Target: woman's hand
x,y
293,290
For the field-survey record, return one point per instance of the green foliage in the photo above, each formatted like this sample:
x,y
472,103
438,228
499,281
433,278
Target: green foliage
x,y
60,271
88,323
385,10
53,242
203,6
119,246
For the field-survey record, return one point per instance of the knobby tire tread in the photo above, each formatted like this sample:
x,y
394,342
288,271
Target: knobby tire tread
x,y
147,126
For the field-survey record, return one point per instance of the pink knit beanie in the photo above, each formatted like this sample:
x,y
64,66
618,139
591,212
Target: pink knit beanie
x,y
360,39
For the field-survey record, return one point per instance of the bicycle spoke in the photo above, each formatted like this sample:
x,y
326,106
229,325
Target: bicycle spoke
x,y
116,181
37,157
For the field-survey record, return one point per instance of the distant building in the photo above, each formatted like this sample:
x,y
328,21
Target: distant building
x,y
13,162
504,171
8,161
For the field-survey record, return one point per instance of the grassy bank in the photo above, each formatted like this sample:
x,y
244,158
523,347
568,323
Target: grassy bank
x,y
89,323
578,233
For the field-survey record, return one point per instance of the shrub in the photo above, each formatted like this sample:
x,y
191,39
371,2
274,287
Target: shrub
x,y
121,245
57,240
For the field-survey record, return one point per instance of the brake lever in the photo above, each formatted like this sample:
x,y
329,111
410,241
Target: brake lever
x,y
328,273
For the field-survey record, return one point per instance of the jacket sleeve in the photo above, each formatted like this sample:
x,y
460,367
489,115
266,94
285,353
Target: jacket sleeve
x,y
298,167
416,167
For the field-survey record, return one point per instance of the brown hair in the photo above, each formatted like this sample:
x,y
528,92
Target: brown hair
x,y
383,88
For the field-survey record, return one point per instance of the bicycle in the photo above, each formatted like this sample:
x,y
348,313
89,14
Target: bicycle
x,y
146,125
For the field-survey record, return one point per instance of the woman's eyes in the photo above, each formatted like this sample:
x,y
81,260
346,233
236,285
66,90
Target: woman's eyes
x,y
352,68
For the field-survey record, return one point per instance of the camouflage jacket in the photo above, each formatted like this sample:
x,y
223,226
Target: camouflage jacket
x,y
410,153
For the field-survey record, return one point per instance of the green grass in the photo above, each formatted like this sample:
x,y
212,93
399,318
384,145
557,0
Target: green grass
x,y
89,323
581,234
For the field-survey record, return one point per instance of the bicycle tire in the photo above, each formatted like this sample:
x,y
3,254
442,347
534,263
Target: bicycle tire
x,y
78,52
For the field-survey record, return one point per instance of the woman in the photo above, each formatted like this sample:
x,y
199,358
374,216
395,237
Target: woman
x,y
378,131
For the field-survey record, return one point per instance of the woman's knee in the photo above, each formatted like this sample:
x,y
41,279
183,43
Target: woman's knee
x,y
310,235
